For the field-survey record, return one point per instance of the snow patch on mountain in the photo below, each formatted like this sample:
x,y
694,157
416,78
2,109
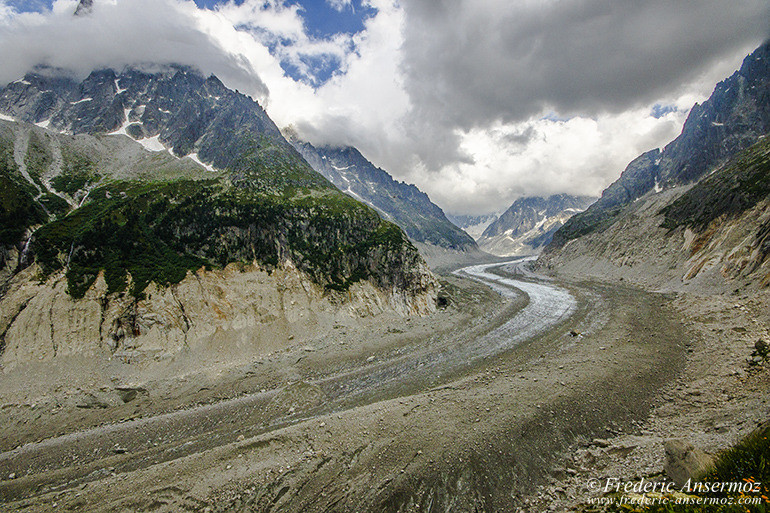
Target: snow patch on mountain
x,y
528,225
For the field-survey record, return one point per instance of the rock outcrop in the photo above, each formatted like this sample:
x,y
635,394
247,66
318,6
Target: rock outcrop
x,y
684,462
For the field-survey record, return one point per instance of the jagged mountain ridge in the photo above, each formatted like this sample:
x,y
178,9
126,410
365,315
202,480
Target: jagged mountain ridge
x,y
399,202
267,205
176,108
735,117
529,223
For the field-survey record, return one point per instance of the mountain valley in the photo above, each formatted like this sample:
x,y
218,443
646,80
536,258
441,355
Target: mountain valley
x,y
202,312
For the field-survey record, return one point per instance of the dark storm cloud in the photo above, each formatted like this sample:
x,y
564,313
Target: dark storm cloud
x,y
472,61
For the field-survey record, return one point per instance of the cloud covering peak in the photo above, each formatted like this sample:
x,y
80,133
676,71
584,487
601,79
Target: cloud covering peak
x,y
478,102
120,33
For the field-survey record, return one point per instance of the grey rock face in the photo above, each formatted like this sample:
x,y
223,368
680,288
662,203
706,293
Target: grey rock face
x,y
186,111
399,202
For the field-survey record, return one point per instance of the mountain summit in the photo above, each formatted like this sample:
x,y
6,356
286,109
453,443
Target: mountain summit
x,y
169,107
84,7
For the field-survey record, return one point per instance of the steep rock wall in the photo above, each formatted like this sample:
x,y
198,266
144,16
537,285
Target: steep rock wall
x,y
239,311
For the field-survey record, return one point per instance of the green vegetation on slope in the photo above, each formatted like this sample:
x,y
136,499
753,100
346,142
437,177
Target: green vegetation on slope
x,y
729,191
78,171
260,162
159,231
18,208
110,234
54,204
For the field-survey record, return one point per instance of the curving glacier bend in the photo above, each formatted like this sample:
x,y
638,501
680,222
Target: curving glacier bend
x,y
548,304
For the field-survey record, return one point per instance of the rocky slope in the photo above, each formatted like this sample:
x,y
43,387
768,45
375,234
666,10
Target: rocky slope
x,y
529,223
169,107
735,117
694,215
109,245
713,236
399,202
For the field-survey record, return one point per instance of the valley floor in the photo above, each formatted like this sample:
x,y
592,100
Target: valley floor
x,y
592,397
715,401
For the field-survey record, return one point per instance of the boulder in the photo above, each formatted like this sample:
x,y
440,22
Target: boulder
x,y
685,462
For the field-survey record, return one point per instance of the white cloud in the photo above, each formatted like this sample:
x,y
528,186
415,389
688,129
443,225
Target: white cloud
x,y
339,5
120,33
543,157
282,28
448,95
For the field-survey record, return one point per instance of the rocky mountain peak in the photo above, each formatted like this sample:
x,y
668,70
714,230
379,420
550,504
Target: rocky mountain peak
x,y
399,202
734,118
84,7
168,107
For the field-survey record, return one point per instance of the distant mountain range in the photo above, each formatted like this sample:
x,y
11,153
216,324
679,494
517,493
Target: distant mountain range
x,y
529,223
473,225
399,202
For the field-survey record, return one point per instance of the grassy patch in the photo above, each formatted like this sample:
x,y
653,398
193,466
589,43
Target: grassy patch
x,y
748,461
730,191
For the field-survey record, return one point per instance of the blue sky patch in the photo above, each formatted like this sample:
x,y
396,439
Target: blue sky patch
x,y
658,110
321,19
30,5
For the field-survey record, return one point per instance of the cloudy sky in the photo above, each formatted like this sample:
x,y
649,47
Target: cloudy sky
x,y
478,102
